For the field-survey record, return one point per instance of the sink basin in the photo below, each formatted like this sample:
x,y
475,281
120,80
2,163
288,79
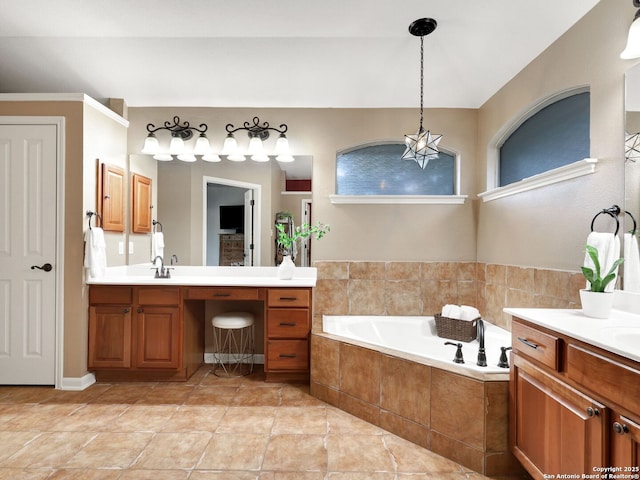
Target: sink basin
x,y
623,337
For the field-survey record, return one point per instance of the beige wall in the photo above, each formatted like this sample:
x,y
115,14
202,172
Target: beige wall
x,y
358,232
548,227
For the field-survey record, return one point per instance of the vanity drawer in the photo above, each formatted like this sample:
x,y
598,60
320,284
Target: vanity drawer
x,y
618,382
535,344
221,293
288,355
159,295
288,323
288,297
110,295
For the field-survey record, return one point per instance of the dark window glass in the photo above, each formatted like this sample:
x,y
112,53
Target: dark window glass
x,y
378,170
555,136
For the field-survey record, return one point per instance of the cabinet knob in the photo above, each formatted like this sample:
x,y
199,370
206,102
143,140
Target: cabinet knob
x,y
593,412
126,310
620,429
140,310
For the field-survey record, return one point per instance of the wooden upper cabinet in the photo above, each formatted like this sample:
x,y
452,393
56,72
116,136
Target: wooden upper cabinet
x,y
140,204
111,197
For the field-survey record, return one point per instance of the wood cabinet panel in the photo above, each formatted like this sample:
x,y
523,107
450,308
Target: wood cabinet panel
x,y
110,336
158,296
110,295
288,297
222,293
533,343
288,323
625,443
140,204
158,335
292,355
111,201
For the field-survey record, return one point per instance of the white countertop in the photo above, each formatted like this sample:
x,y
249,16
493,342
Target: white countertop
x,y
619,334
143,274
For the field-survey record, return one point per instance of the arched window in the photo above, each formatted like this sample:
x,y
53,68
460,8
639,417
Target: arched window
x,y
554,136
378,170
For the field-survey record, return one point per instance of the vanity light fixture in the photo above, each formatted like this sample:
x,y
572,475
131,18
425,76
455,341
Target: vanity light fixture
x,y
179,133
423,146
632,50
257,134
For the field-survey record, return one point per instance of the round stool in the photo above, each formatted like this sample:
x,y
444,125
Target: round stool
x,y
233,344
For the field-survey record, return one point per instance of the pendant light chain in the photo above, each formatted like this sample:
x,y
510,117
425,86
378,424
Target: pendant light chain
x,y
421,79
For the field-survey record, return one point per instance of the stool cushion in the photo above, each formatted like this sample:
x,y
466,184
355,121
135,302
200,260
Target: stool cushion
x,y
231,320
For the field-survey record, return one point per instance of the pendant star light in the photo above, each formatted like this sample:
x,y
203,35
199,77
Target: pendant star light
x,y
423,146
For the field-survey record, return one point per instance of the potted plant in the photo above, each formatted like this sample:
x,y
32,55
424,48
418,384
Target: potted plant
x,y
596,301
288,241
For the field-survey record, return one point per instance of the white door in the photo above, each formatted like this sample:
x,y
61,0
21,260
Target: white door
x,y
28,172
248,228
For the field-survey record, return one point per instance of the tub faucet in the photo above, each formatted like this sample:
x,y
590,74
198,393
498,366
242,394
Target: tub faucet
x,y
482,356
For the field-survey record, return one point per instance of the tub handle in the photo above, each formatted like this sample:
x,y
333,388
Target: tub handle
x,y
528,343
458,358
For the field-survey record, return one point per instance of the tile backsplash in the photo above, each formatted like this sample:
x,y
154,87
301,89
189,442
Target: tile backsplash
x,y
422,288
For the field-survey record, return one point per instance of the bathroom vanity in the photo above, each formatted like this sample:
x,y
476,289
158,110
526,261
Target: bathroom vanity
x,y
147,329
575,392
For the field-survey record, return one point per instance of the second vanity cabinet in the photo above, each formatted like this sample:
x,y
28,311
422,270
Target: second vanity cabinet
x,y
573,407
157,332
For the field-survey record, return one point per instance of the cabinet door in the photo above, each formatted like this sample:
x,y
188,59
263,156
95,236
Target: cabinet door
x,y
158,337
555,428
140,204
112,198
625,444
110,336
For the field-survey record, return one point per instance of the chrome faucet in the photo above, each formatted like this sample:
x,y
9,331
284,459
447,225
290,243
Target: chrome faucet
x,y
482,356
162,272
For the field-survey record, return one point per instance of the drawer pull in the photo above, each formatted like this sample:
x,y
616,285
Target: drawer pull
x,y
288,355
288,324
620,429
288,299
593,412
221,295
528,343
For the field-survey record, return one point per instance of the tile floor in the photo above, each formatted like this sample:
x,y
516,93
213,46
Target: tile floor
x,y
206,428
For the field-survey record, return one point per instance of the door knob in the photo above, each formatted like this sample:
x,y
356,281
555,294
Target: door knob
x,y
46,267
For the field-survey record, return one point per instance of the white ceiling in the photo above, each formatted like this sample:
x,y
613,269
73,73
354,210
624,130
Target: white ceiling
x,y
274,53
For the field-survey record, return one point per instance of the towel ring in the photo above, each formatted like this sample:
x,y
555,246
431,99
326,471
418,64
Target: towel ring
x,y
614,211
155,222
633,232
91,214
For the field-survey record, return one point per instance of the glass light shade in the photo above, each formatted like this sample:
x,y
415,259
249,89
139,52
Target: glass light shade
x,y
282,145
163,157
202,145
151,145
176,146
187,157
285,158
236,157
632,50
230,145
262,157
211,157
255,146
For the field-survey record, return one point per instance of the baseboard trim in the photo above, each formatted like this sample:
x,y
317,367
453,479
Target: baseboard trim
x,y
78,383
257,358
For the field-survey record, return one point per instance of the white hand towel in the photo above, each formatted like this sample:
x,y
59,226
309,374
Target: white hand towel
x,y
469,313
95,253
608,246
157,245
631,265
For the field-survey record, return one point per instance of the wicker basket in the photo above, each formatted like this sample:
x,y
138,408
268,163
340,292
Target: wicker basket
x,y
461,330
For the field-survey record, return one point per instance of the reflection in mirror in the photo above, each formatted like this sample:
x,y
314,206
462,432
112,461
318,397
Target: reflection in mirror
x,y
631,266
190,196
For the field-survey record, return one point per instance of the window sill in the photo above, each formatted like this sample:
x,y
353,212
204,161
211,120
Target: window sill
x,y
398,199
557,175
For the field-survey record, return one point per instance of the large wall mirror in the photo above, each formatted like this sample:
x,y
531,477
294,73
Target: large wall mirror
x,y
632,161
205,208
